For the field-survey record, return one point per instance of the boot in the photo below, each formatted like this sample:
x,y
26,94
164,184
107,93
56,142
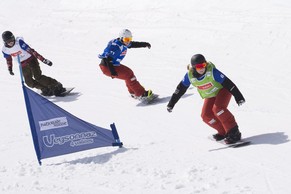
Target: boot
x,y
58,89
233,136
147,96
218,137
46,91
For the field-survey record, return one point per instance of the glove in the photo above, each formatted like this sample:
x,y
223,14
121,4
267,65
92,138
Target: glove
x,y
10,70
48,62
239,99
148,45
240,102
169,109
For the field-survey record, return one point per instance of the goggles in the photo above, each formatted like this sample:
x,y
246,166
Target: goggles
x,y
200,66
127,39
9,41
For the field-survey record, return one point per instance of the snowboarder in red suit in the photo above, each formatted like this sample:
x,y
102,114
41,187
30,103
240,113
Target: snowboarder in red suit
x,y
216,89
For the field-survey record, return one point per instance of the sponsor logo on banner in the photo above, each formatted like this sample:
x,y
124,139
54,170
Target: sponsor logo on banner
x,y
76,139
53,123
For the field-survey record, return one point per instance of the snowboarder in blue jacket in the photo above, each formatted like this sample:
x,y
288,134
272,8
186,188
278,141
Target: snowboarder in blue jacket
x,y
111,65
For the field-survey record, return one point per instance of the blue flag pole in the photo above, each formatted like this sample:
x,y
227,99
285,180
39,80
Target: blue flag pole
x,y
29,113
116,136
20,70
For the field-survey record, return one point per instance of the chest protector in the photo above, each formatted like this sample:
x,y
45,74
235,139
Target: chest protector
x,y
207,86
17,50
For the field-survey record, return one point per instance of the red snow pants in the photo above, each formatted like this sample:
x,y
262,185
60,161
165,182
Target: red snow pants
x,y
215,112
126,74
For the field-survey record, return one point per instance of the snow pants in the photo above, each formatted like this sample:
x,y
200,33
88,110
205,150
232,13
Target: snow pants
x,y
215,112
126,74
33,76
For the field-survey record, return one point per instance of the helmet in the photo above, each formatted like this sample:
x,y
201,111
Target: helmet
x,y
197,59
125,33
7,36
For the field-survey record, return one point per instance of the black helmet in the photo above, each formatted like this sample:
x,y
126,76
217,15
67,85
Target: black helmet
x,y
7,36
197,59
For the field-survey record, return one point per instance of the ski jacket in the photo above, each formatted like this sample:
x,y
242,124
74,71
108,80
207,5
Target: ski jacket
x,y
117,51
25,52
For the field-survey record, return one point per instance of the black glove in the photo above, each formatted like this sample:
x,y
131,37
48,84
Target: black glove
x,y
240,101
48,62
10,71
238,96
169,108
148,45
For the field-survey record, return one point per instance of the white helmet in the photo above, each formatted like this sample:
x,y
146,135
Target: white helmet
x,y
125,33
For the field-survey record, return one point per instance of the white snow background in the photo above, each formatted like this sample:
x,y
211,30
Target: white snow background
x,y
163,152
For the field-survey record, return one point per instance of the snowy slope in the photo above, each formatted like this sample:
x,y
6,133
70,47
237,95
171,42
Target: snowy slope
x,y
163,153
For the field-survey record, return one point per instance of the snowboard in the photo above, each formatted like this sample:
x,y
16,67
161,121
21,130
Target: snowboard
x,y
65,93
150,101
240,143
237,144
